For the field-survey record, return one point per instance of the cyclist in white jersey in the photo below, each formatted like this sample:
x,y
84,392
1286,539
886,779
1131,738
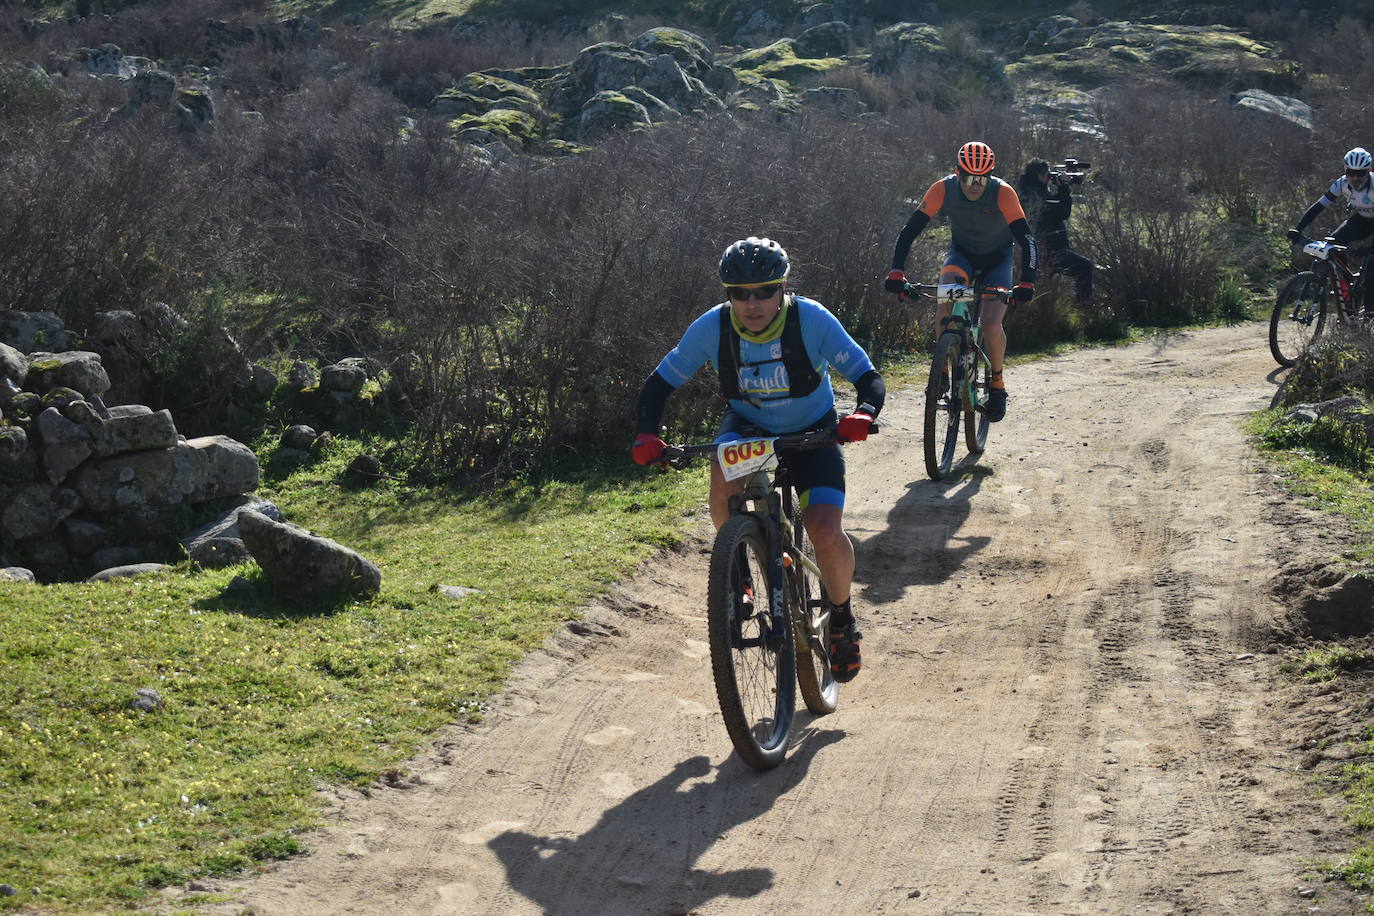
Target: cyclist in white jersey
x,y
1357,190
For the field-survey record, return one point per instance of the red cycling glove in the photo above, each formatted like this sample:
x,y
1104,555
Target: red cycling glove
x,y
854,428
1022,292
895,282
648,448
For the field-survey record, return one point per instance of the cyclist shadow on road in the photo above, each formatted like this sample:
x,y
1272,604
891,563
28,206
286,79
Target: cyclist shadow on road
x,y
921,544
640,857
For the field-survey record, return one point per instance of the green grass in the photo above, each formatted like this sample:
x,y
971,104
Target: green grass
x,y
1326,663
266,703
1309,459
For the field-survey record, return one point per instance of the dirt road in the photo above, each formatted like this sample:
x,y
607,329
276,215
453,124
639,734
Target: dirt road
x,y
1060,711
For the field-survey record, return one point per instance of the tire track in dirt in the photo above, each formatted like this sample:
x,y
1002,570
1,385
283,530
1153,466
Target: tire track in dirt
x,y
1054,716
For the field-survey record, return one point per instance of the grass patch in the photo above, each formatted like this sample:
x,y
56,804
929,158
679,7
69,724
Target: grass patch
x,y
1326,663
1308,461
265,704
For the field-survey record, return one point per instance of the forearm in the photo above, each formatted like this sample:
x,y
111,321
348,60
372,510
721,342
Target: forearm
x,y
653,397
913,228
1311,214
871,390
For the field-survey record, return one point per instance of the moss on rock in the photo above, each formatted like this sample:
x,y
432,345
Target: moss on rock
x,y
515,128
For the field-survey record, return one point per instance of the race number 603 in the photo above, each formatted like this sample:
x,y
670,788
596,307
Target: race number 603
x,y
738,458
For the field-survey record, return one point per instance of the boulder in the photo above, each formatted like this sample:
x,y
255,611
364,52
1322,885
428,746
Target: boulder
x,y
298,437
690,50
83,537
218,543
151,87
37,509
907,45
262,382
302,565
830,39
17,459
13,364
16,574
129,571
79,370
658,109
64,444
29,331
118,555
301,376
135,432
191,472
345,378
1277,111
194,108
835,99
610,111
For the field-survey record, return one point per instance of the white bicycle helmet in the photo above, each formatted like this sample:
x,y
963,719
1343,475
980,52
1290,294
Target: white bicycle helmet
x,y
1358,158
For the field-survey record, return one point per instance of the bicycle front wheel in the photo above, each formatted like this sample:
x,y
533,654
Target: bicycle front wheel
x,y
975,420
943,407
752,658
1299,316
811,629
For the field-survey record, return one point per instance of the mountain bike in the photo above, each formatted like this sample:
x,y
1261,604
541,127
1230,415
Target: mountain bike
x,y
768,620
960,372
1300,313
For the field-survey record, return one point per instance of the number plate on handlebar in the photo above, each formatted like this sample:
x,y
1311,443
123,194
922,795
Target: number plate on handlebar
x,y
1318,249
744,456
952,291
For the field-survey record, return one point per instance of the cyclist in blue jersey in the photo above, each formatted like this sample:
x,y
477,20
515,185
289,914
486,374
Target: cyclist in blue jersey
x,y
1357,190
772,351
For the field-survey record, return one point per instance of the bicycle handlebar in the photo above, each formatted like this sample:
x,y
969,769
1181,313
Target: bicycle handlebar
x,y
953,291
1331,246
679,456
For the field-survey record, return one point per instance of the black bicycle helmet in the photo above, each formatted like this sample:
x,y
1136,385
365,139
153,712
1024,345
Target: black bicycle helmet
x,y
753,260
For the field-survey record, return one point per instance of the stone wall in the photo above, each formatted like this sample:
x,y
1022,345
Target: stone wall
x,y
85,486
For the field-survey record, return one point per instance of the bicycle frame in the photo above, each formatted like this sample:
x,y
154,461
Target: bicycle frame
x,y
1331,264
965,315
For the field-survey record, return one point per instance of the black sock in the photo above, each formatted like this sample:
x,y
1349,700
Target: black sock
x,y
841,615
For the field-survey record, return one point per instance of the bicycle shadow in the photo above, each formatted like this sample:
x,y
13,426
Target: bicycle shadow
x,y
921,544
640,856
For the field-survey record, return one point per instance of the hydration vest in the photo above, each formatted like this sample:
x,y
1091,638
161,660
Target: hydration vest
x,y
802,377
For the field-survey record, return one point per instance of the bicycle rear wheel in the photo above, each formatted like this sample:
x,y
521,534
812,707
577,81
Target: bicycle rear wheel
x,y
811,629
943,407
1298,318
975,420
752,657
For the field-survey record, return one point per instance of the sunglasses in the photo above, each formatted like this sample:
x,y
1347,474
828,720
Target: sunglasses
x,y
974,181
1357,173
745,293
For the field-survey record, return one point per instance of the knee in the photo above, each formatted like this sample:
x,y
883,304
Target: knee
x,y
827,535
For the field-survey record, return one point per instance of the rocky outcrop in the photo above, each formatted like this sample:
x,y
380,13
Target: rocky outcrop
x,y
1275,112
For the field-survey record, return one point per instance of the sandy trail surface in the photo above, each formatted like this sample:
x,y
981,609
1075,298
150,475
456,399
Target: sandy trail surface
x,y
1063,708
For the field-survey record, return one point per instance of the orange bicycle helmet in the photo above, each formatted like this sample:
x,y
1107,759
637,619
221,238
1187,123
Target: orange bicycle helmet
x,y
976,158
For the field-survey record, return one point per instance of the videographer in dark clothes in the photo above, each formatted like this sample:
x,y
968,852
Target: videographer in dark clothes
x,y
1046,199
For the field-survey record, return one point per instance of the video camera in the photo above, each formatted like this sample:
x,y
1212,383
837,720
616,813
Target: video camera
x,y
1070,171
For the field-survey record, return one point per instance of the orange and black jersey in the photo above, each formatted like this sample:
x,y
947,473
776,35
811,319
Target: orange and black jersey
x,y
978,228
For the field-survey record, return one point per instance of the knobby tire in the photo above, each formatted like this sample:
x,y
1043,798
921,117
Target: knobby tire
x,y
975,420
943,409
1298,318
811,626
754,665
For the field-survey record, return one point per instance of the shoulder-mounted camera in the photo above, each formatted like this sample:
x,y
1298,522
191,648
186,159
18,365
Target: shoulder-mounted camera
x,y
1070,171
